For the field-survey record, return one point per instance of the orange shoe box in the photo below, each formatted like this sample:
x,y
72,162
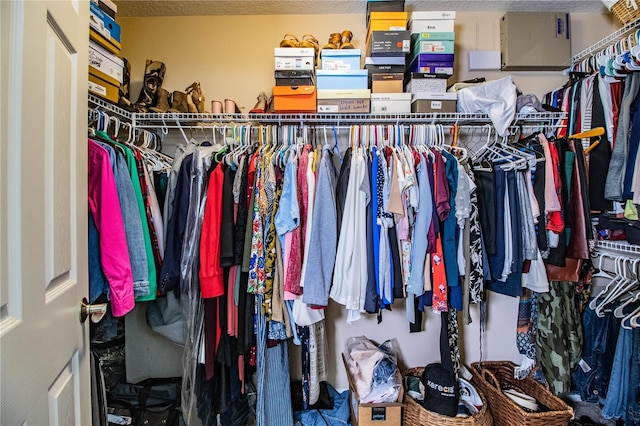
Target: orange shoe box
x,y
294,98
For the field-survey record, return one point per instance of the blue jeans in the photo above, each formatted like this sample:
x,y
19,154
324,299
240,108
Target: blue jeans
x,y
600,336
633,400
615,406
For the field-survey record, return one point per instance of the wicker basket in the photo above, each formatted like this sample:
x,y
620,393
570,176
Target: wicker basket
x,y
495,376
625,12
416,414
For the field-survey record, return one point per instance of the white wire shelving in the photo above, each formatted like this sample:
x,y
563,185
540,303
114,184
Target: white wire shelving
x,y
605,42
618,246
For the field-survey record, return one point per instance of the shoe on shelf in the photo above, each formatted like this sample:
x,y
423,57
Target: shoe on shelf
x,y
289,40
192,107
261,106
334,41
230,107
216,107
179,102
196,96
345,38
162,105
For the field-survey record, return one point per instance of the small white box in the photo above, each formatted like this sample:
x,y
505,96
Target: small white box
x,y
432,26
108,64
294,58
395,103
433,15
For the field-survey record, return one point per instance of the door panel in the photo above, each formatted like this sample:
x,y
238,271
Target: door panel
x,y
44,350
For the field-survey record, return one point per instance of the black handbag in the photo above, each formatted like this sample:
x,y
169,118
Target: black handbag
x,y
151,402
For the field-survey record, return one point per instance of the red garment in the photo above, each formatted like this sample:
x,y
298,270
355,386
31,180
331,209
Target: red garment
x,y
555,221
294,267
211,273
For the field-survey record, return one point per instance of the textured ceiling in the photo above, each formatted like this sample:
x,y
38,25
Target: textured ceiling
x,y
128,8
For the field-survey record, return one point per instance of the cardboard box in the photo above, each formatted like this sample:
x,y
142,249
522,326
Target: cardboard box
x,y
432,46
110,45
344,101
388,43
340,59
105,64
424,15
387,82
103,89
384,414
387,21
385,63
294,58
107,6
384,6
423,82
294,99
103,23
348,79
432,60
415,37
396,103
295,77
431,26
434,102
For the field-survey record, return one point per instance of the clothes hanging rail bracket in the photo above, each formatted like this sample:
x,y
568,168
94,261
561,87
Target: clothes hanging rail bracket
x,y
112,109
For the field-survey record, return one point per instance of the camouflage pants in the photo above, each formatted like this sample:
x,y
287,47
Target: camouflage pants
x,y
559,335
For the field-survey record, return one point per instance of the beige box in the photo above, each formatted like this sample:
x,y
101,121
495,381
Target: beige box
x,y
535,41
434,102
387,83
391,103
105,64
344,101
386,414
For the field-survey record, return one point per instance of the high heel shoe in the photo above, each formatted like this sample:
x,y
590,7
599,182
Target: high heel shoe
x,y
261,105
230,107
334,41
216,107
289,40
345,38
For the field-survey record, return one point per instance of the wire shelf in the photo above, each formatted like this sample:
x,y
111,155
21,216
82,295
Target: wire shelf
x,y
620,246
175,120
605,42
100,103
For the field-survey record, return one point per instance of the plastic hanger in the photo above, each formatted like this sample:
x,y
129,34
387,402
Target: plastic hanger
x,y
596,302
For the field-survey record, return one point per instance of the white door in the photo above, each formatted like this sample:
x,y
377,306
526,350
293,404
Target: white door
x,y
44,350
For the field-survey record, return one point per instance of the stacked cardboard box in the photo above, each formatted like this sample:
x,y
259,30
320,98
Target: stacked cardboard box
x,y
106,69
342,85
432,61
295,89
388,44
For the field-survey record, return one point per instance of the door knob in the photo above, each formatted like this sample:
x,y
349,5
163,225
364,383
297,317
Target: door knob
x,y
96,311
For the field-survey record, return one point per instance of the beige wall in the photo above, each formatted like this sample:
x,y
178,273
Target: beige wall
x,y
232,57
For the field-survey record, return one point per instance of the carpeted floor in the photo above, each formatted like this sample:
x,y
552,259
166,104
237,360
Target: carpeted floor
x,y
591,410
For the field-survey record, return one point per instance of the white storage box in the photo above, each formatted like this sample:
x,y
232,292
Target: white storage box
x,y
391,103
431,26
424,15
294,58
105,64
344,101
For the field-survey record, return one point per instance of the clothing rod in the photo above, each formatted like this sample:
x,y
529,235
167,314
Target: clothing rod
x,y
466,127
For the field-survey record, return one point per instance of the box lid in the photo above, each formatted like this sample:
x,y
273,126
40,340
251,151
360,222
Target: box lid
x,y
294,51
294,74
293,90
385,76
344,94
391,96
423,75
342,73
385,60
433,15
388,15
340,52
441,96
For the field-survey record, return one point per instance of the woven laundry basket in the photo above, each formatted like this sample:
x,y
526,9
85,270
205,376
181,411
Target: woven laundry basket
x,y
626,11
416,414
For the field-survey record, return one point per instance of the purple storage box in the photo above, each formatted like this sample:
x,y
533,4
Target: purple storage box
x,y
434,57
